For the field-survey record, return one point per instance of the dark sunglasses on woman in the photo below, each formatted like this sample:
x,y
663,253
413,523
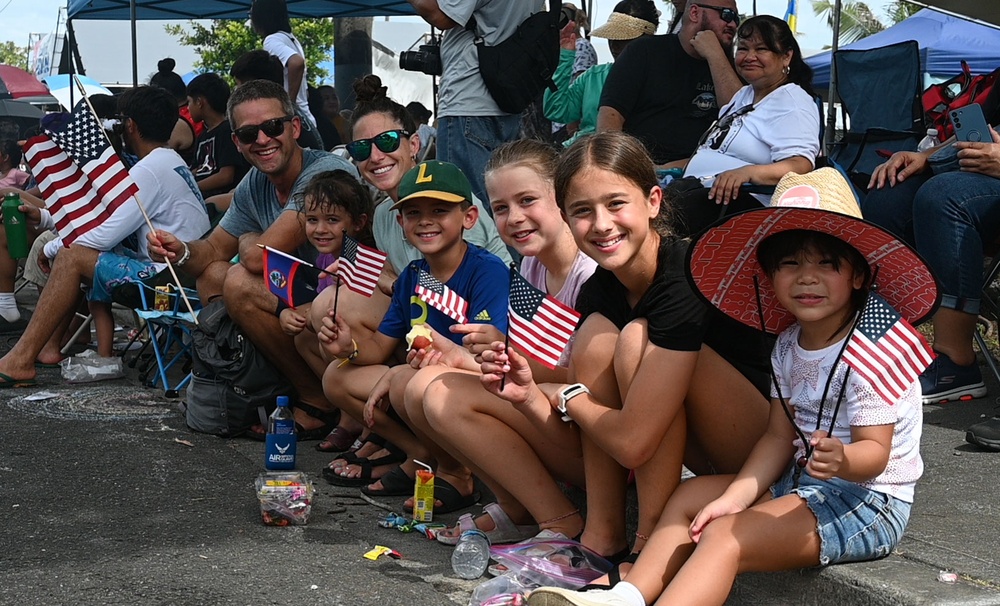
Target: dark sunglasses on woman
x,y
726,14
386,143
272,128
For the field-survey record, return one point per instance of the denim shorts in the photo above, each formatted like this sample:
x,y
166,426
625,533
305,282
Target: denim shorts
x,y
854,523
113,270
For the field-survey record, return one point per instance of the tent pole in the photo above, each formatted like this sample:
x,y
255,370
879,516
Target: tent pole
x,y
831,112
135,59
69,40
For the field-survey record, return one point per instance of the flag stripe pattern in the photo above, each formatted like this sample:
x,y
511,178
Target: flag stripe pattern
x,y
431,291
886,351
79,174
360,266
539,326
289,278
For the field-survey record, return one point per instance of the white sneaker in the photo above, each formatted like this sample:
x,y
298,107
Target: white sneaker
x,y
555,596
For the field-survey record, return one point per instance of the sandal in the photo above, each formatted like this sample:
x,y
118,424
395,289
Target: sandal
x,y
366,477
504,531
339,440
330,418
450,497
395,483
395,456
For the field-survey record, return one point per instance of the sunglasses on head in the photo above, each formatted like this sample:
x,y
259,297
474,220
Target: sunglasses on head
x,y
386,143
726,14
272,128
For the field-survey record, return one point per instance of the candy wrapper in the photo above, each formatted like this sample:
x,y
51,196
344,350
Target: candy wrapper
x,y
285,498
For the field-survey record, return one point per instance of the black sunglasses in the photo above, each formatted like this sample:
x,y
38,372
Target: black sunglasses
x,y
386,143
726,14
272,128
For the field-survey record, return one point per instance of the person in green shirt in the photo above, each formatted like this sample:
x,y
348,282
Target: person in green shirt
x,y
577,99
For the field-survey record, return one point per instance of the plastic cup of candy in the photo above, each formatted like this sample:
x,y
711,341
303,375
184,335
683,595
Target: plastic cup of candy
x,y
285,498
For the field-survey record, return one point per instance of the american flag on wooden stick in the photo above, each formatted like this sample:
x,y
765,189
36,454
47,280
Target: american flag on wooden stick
x,y
886,351
440,297
360,266
79,174
539,326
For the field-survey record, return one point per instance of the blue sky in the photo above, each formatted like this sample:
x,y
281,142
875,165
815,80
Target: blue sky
x,y
18,18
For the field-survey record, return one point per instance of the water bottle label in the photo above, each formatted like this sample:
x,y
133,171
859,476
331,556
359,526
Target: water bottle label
x,y
284,426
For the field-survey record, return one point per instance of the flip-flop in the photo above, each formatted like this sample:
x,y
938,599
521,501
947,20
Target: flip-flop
x,y
367,466
394,484
338,440
450,497
46,365
7,381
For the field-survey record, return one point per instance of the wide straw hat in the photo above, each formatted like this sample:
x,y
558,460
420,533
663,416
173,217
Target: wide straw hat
x,y
722,261
624,27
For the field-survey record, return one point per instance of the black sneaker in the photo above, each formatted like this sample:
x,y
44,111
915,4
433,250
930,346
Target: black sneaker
x,y
945,381
985,434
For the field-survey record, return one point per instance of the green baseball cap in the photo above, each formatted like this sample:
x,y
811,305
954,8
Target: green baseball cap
x,y
436,180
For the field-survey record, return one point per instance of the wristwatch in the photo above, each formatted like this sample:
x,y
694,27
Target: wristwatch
x,y
568,393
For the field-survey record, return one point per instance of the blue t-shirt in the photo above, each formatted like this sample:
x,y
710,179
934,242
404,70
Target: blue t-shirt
x,y
482,279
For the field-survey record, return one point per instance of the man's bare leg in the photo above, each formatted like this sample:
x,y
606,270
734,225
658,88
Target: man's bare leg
x,y
56,303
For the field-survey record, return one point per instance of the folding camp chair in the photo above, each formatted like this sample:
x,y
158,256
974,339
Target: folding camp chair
x,y
169,323
989,309
879,90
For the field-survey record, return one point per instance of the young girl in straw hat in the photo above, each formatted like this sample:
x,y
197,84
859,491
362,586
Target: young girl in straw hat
x,y
832,478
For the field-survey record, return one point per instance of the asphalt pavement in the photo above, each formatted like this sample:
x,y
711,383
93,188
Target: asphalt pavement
x,y
108,498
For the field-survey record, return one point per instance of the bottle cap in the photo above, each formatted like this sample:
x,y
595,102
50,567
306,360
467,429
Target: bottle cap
x,y
282,400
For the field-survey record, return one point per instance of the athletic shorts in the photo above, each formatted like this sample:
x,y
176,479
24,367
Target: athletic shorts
x,y
114,270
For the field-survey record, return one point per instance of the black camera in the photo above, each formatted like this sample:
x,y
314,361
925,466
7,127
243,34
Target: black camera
x,y
427,59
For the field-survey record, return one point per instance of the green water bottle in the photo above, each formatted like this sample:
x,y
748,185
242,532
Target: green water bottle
x,y
16,226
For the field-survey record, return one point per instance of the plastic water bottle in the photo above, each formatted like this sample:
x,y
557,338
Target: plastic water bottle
x,y
16,226
471,555
279,452
929,141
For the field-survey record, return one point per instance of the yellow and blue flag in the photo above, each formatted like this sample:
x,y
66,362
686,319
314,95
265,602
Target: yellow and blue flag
x,y
792,15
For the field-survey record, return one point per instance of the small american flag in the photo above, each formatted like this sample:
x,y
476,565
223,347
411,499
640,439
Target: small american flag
x,y
360,266
440,297
78,173
886,351
539,326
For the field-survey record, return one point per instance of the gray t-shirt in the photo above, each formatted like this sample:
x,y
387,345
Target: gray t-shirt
x,y
462,91
255,203
390,240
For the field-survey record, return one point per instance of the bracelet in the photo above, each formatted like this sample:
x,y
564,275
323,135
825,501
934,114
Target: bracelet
x,y
184,258
353,355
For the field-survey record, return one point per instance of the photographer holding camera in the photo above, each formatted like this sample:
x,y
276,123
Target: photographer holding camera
x,y
470,124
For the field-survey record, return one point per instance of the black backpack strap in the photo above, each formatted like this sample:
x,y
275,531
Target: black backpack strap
x,y
555,8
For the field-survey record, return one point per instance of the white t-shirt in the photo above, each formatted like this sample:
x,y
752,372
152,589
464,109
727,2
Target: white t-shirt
x,y
783,125
803,374
170,196
284,46
462,91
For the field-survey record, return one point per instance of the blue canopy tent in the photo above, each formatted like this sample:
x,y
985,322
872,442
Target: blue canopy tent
x,y
944,42
135,10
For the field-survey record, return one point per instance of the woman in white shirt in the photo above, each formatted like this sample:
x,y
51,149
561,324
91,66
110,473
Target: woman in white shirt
x,y
769,128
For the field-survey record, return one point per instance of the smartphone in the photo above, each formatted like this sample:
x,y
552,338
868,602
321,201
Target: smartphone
x,y
970,124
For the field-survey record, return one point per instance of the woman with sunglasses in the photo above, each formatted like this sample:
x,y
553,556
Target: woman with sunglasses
x,y
384,146
771,127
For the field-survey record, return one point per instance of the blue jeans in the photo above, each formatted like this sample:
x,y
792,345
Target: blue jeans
x,y
468,141
947,218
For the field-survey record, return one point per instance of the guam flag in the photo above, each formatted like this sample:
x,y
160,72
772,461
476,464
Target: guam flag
x,y
290,279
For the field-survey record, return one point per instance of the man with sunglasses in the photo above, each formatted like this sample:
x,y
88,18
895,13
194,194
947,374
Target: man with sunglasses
x,y
264,211
667,90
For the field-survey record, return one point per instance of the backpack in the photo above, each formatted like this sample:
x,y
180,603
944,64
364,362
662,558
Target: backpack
x,y
517,70
231,380
962,90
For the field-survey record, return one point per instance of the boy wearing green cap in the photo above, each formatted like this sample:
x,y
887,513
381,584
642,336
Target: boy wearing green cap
x,y
435,209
